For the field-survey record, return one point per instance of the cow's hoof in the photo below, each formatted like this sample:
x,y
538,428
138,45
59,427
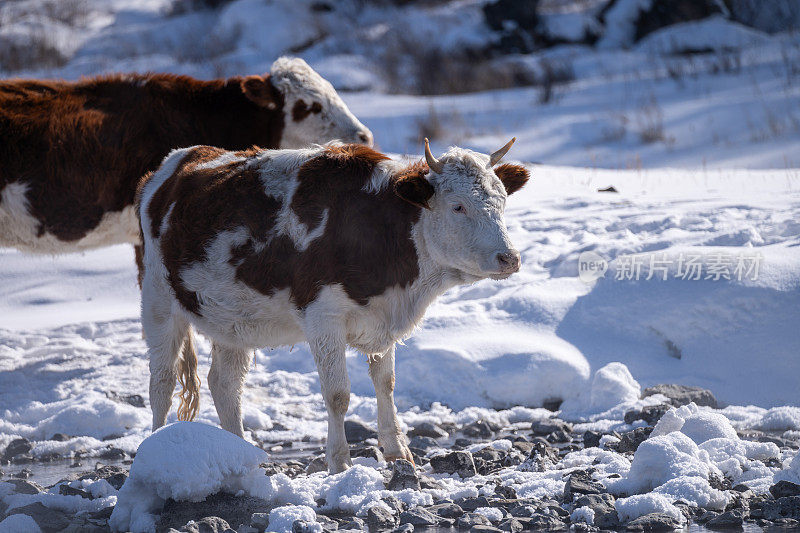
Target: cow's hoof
x,y
402,453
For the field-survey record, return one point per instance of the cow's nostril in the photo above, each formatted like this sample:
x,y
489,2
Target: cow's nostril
x,y
365,138
508,261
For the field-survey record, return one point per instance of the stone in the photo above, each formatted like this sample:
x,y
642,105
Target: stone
x,y
544,522
682,394
327,523
353,523
653,522
505,491
114,475
427,482
227,507
209,524
317,464
380,519
470,504
591,439
784,488
581,482
447,510
422,443
357,431
470,520
523,511
404,476
303,526
480,429
418,516
22,486
427,429
650,414
48,520
371,452
542,457
394,504
405,528
484,529
458,462
60,437
559,437
726,520
786,507
605,514
630,441
17,447
112,453
66,490
511,524
550,425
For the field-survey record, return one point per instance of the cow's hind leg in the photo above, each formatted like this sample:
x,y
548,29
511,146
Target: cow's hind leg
x,y
165,334
226,377
381,370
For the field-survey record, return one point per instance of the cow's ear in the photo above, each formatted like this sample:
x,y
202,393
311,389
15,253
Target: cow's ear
x,y
258,89
512,176
414,188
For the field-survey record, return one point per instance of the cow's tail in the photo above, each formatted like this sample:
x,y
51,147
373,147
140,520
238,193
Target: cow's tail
x,y
190,382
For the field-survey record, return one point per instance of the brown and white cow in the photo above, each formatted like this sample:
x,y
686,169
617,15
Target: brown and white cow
x,y
335,245
71,154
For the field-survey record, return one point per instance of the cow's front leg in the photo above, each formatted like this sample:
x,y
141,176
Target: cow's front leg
x,y
329,355
381,370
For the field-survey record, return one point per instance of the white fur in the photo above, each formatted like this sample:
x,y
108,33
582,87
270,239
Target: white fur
x,y
239,318
19,229
225,159
297,81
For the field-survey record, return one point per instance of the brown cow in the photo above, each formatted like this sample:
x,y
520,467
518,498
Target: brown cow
x,y
336,245
71,154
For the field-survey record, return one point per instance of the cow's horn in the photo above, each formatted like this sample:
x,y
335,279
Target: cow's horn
x,y
433,163
498,155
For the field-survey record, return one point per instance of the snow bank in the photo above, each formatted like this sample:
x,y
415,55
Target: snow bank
x,y
282,518
19,523
699,425
183,461
712,33
642,504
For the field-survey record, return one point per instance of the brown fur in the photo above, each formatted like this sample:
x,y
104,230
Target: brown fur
x,y
514,177
82,147
366,246
412,186
300,110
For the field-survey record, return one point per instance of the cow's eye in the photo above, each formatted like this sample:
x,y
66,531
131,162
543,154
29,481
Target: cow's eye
x,y
458,208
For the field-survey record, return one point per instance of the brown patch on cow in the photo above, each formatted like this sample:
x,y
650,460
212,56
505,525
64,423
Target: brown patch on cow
x,y
82,147
340,402
514,177
412,186
300,110
260,91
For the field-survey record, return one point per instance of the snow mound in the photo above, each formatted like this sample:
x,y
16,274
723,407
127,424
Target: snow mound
x,y
183,461
611,388
583,514
19,523
282,518
695,490
699,425
713,33
642,504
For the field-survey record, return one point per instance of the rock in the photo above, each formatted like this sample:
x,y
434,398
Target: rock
x,y
470,520
653,522
505,491
427,482
404,476
591,439
394,504
327,523
135,400
302,526
630,441
25,473
353,523
544,522
784,488
650,414
422,444
357,431
480,429
786,507
523,511
458,462
372,452
484,529
227,507
726,520
418,516
542,457
17,447
405,528
66,490
581,482
427,429
550,425
22,486
48,520
605,514
470,504
114,475
447,510
60,437
317,464
380,519
112,453
209,524
511,524
682,394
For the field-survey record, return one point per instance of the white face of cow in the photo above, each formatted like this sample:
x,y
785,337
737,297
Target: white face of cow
x,y
463,226
313,111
